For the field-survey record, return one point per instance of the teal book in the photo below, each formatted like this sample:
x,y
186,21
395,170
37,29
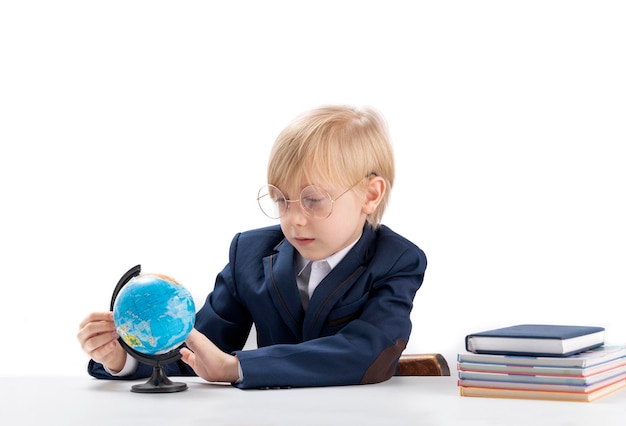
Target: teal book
x,y
536,340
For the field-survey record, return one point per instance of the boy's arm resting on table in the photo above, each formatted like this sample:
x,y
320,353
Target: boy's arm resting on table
x,y
97,370
134,369
178,368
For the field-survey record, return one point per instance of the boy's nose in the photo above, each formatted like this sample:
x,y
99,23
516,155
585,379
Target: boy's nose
x,y
296,215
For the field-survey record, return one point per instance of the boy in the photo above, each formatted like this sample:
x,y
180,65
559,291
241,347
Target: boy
x,y
330,290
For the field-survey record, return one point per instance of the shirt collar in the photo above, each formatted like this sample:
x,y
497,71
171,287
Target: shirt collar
x,y
332,260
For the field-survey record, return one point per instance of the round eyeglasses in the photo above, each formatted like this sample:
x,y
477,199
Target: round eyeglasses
x,y
315,202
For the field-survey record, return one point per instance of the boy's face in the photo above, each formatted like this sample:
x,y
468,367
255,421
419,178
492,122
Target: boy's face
x,y
317,239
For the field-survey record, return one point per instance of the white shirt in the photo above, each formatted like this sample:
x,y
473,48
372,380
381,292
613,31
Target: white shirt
x,y
318,270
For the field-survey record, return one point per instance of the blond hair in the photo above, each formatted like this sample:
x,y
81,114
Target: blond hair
x,y
340,144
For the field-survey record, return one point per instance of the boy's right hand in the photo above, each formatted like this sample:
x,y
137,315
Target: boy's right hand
x,y
98,339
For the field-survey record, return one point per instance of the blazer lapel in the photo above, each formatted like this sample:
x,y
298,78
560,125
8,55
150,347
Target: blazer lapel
x,y
281,280
336,284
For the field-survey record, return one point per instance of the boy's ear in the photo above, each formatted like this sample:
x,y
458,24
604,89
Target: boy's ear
x,y
376,187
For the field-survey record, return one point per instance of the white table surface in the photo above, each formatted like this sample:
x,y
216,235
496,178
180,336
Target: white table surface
x,y
399,401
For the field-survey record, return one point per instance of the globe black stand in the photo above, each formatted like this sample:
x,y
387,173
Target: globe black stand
x,y
159,382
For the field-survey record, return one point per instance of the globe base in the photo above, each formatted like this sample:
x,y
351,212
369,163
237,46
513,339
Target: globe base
x,y
159,383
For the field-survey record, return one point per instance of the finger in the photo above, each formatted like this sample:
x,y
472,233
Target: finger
x,y
107,354
188,357
95,317
99,341
92,329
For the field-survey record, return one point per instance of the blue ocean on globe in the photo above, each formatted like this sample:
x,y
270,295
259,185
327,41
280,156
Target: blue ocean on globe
x,y
154,314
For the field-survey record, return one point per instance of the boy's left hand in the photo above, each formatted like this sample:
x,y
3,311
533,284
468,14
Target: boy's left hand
x,y
208,361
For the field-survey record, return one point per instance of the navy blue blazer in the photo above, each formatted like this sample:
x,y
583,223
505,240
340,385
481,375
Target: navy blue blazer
x,y
354,330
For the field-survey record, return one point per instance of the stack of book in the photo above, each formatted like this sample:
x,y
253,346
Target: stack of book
x,y
536,361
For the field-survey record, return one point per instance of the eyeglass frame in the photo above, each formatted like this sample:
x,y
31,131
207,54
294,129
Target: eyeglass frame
x,y
299,200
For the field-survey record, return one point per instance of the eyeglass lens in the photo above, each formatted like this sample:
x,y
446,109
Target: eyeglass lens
x,y
315,201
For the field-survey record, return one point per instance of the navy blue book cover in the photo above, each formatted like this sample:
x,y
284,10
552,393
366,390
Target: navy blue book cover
x,y
536,340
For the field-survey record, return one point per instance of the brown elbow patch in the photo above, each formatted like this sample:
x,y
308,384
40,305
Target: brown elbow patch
x,y
384,366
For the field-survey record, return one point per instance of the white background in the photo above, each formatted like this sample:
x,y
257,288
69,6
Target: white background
x,y
138,133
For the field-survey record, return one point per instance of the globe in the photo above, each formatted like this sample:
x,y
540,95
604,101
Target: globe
x,y
153,314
